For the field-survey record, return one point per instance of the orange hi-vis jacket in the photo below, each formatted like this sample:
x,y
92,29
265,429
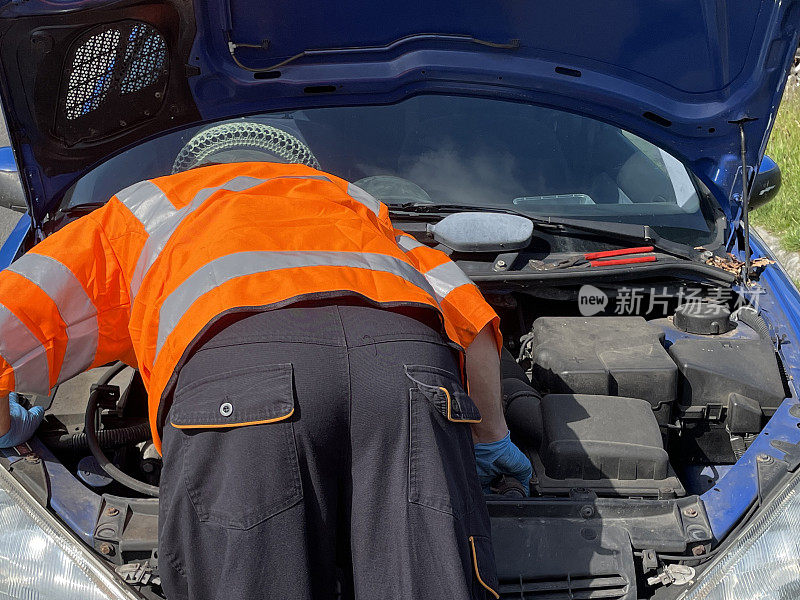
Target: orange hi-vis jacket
x,y
141,278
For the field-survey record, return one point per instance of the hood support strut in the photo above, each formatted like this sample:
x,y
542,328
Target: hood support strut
x,y
745,199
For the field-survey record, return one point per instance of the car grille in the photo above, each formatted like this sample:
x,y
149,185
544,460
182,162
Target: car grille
x,y
614,587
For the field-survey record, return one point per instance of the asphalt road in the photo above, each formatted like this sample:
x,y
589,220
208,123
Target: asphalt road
x,y
8,218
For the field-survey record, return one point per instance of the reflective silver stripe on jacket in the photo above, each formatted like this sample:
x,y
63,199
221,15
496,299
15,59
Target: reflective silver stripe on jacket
x,y
160,218
168,222
407,243
365,198
147,203
240,264
445,278
74,305
26,355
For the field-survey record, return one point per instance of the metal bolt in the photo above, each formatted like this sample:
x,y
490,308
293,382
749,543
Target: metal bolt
x,y
112,511
158,94
764,458
501,264
225,409
699,550
33,459
587,512
690,512
106,548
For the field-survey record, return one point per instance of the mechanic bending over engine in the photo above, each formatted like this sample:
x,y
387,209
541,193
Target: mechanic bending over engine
x,y
304,365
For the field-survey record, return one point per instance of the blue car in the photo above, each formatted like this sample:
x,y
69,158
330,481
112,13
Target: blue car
x,y
590,165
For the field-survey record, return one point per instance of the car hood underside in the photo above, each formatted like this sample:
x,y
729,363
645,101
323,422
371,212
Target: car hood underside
x,y
85,79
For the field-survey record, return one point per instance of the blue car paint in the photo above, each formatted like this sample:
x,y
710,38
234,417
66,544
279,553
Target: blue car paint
x,y
734,493
730,498
617,62
624,72
631,60
7,161
77,506
11,248
13,244
725,503
698,479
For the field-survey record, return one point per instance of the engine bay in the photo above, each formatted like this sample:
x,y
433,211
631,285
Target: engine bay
x,y
627,419
616,402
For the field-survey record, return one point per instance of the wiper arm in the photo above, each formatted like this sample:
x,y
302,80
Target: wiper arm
x,y
80,207
625,231
427,208
618,231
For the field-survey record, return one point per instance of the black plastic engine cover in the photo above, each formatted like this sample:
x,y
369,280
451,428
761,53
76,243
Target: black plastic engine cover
x,y
556,558
618,356
580,546
711,370
607,444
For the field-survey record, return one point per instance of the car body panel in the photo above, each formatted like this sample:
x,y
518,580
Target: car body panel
x,y
779,304
692,66
674,73
12,245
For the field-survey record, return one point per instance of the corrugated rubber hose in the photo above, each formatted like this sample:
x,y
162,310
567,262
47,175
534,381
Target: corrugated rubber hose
x,y
750,317
94,444
107,438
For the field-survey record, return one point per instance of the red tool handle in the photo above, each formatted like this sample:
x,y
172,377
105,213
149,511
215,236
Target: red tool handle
x,y
622,261
620,252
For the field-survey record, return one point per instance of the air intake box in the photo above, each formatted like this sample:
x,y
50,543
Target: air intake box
x,y
711,370
603,443
618,356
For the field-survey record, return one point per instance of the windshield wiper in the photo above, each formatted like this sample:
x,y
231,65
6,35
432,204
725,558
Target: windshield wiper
x,y
630,232
80,207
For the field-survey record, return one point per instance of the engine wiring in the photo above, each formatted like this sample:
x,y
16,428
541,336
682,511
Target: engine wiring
x,y
94,445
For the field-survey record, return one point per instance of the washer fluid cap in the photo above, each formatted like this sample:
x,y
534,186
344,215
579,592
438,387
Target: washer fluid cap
x,y
703,318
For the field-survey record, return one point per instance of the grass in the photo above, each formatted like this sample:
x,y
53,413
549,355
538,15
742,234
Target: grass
x,y
781,216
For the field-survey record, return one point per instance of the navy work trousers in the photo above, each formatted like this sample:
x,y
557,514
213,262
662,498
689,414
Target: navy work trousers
x,y
367,490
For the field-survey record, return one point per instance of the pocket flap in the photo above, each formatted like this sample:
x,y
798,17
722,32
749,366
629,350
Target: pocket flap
x,y
251,396
445,391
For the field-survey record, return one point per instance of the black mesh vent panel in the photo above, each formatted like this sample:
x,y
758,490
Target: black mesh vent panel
x,y
116,76
146,53
91,74
612,587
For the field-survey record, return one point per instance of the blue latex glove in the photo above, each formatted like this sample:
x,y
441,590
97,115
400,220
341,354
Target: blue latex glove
x,y
502,458
23,422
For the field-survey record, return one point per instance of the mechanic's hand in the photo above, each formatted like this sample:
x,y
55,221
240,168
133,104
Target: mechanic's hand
x,y
23,422
502,458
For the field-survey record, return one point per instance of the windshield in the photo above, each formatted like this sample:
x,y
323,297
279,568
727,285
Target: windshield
x,y
436,149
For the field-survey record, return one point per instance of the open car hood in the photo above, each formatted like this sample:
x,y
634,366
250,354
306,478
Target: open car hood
x,y
84,79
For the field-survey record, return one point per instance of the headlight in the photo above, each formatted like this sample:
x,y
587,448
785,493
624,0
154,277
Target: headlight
x,y
40,559
764,562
